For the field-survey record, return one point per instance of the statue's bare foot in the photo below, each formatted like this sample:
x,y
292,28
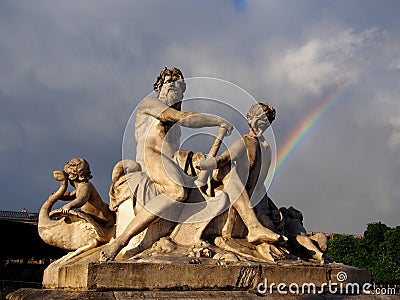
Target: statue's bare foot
x,y
261,235
110,252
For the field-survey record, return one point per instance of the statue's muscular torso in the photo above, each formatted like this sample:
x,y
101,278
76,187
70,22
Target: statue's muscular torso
x,y
153,135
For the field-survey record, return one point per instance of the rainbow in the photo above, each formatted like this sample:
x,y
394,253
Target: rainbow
x,y
306,126
315,116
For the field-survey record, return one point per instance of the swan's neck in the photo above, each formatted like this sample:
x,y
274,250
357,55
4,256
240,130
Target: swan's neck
x,y
44,218
45,210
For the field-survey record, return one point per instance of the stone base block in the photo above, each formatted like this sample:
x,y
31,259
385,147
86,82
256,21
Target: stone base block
x,y
205,278
198,274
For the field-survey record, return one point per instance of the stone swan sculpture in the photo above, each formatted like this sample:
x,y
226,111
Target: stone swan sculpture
x,y
74,230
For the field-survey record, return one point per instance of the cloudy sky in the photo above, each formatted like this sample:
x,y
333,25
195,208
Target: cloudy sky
x,y
72,72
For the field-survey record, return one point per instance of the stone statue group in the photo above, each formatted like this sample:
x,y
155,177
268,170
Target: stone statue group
x,y
176,202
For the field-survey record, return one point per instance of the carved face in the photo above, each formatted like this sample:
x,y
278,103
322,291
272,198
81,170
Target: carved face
x,y
172,90
259,125
259,117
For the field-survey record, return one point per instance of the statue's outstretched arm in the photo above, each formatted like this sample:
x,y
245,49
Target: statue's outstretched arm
x,y
82,196
164,113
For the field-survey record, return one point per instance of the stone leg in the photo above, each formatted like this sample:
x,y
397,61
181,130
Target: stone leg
x,y
78,251
230,222
145,216
241,202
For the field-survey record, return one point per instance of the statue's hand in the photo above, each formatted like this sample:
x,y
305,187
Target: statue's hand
x,y
66,208
209,163
225,128
59,175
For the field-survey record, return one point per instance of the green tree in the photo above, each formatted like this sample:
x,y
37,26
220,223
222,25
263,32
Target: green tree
x,y
378,251
344,248
374,237
391,257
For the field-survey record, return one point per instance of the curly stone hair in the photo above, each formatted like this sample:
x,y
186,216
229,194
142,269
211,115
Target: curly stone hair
x,y
78,170
260,109
175,73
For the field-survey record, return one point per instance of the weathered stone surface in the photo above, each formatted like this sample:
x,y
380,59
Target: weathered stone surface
x,y
318,275
144,276
165,273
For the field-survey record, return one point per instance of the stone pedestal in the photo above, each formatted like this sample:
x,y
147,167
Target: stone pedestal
x,y
181,278
198,274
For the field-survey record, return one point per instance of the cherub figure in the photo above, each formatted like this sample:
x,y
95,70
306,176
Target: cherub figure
x,y
254,148
85,195
242,170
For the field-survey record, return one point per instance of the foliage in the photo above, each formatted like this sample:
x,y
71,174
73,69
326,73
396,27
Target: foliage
x,y
377,251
